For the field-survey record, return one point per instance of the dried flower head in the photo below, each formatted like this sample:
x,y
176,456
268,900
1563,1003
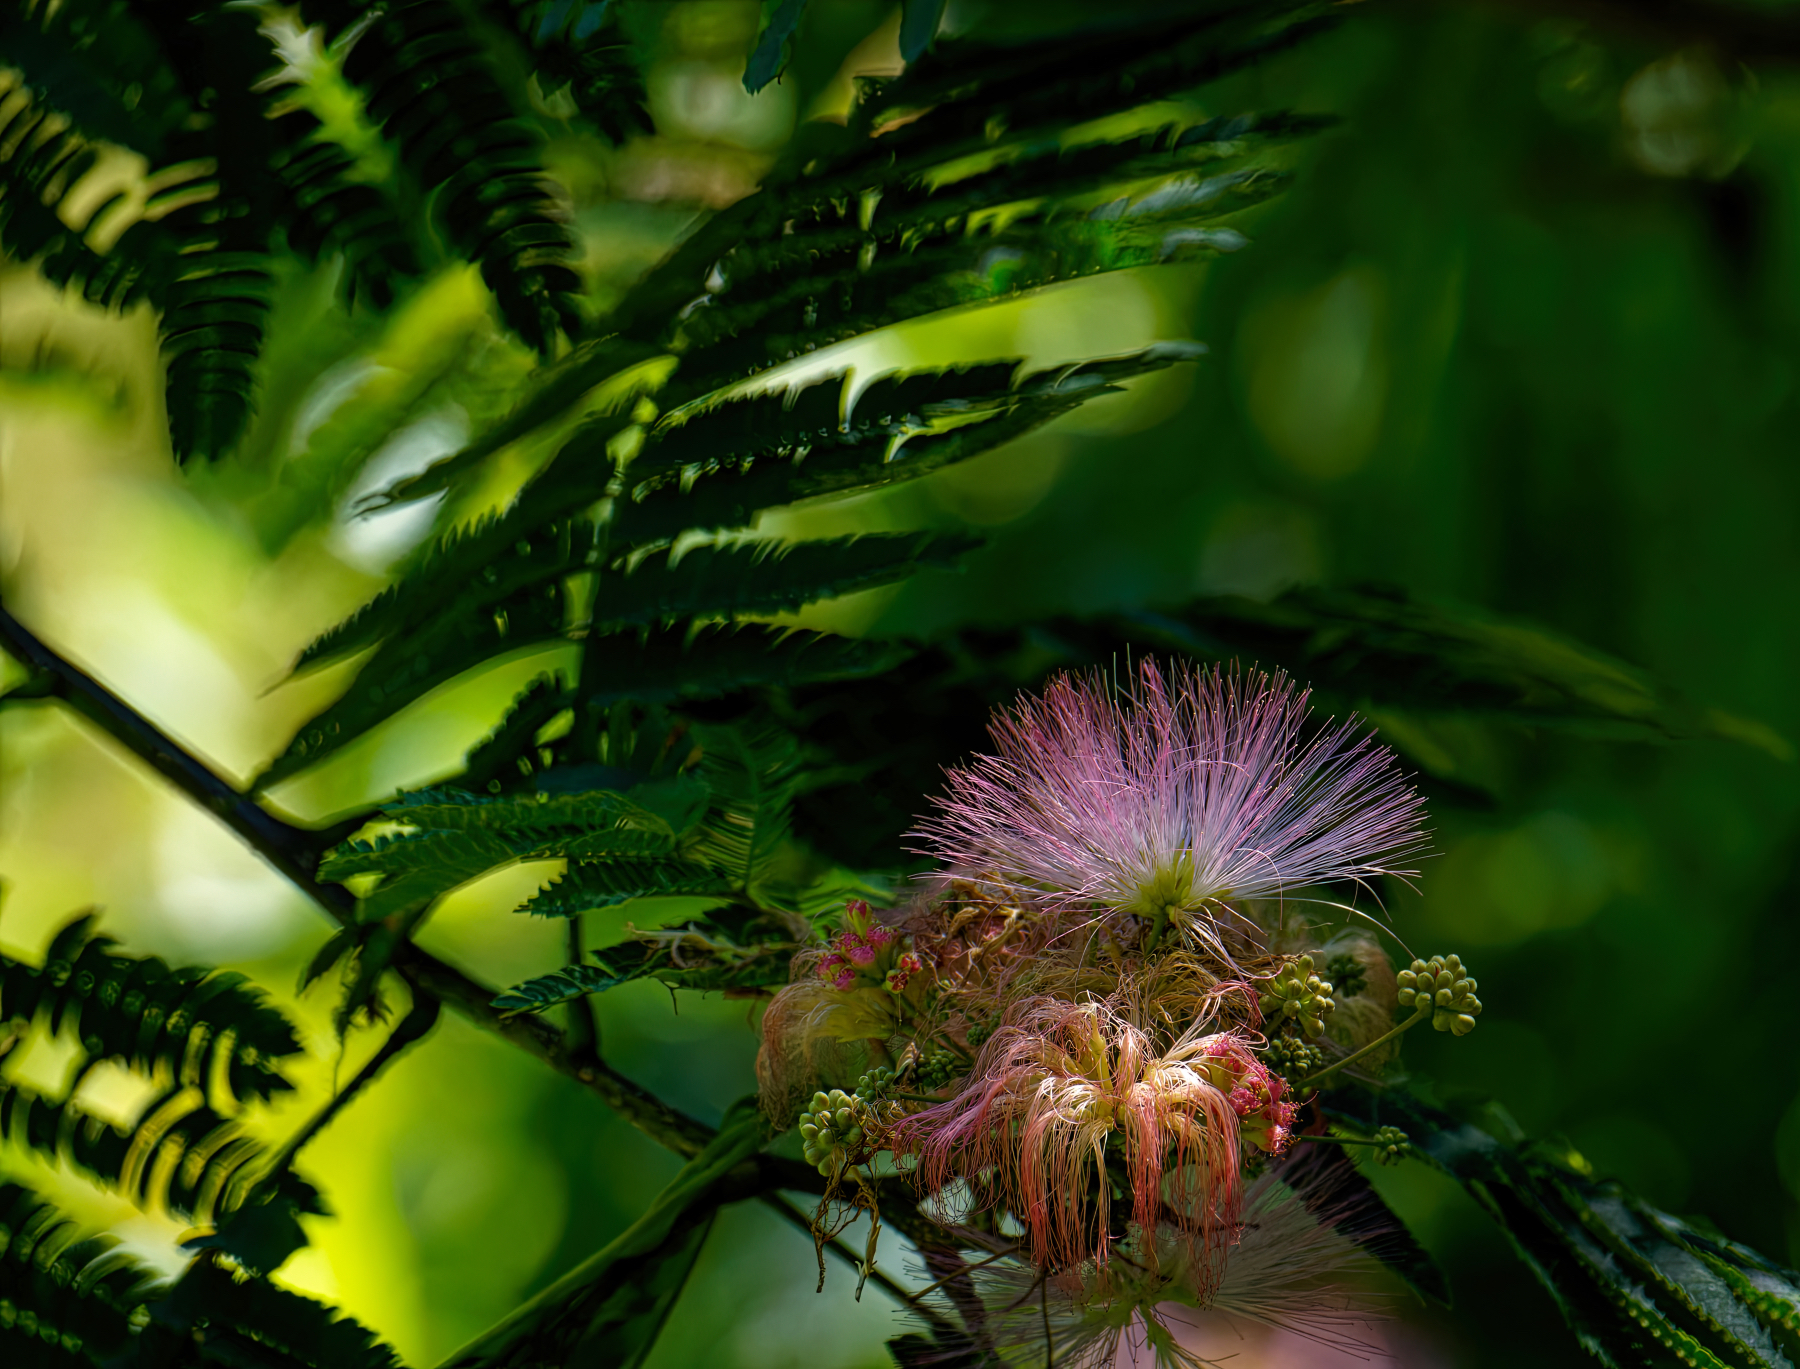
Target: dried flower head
x,y
1059,1089
1174,799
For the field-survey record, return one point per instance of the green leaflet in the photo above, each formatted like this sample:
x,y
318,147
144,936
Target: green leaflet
x,y
752,773
185,1025
428,81
730,948
508,752
444,585
583,48
774,43
253,1318
919,20
670,663
90,1303
76,1286
589,885
218,1153
406,669
608,1309
768,450
765,578
1635,1284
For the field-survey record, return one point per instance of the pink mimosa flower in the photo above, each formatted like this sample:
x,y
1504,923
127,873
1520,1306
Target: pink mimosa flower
x,y
1169,799
1050,1092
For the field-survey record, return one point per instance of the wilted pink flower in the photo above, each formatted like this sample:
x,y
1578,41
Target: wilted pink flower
x,y
1049,1093
1167,800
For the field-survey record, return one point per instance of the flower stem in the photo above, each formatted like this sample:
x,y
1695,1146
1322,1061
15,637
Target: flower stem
x,y
1312,1080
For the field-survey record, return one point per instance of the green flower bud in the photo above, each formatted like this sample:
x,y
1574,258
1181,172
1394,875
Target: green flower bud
x,y
1442,983
1296,994
1292,1058
1391,1146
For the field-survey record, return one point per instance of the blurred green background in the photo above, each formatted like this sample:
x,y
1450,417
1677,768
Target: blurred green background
x,y
1521,336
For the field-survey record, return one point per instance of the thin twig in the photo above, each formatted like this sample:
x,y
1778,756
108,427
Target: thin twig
x,y
584,1023
914,1298
887,1285
1424,1012
412,1029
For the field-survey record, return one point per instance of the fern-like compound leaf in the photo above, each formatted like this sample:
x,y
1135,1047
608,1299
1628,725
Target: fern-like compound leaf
x,y
66,1297
188,1026
764,578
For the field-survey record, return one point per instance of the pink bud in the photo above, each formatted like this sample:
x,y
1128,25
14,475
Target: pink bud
x,y
844,978
861,954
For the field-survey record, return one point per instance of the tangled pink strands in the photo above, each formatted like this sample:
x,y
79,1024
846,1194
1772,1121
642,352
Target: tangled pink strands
x,y
1047,1091
1178,793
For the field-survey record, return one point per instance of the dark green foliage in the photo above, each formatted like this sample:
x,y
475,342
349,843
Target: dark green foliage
x,y
590,885
1636,1285
580,46
176,1122
65,1298
774,43
732,949
148,78
721,467
1378,652
429,83
764,577
187,1026
237,1321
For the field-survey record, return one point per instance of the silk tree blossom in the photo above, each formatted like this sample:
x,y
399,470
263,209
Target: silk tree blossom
x,y
1293,1270
1059,1087
1173,800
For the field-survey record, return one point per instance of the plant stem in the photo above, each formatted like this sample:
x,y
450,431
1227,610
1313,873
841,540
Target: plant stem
x,y
584,1023
291,850
1312,1079
413,1028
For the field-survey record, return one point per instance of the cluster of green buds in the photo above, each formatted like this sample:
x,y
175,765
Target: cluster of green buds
x,y
832,1129
937,1069
1296,994
870,1086
1292,1058
1347,974
1442,984
981,1031
1391,1145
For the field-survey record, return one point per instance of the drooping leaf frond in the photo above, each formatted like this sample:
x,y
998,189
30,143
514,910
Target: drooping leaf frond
x,y
1635,1284
430,84
69,1298
763,578
188,1026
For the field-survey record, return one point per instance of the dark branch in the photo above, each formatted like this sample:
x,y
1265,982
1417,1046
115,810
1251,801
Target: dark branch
x,y
291,850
